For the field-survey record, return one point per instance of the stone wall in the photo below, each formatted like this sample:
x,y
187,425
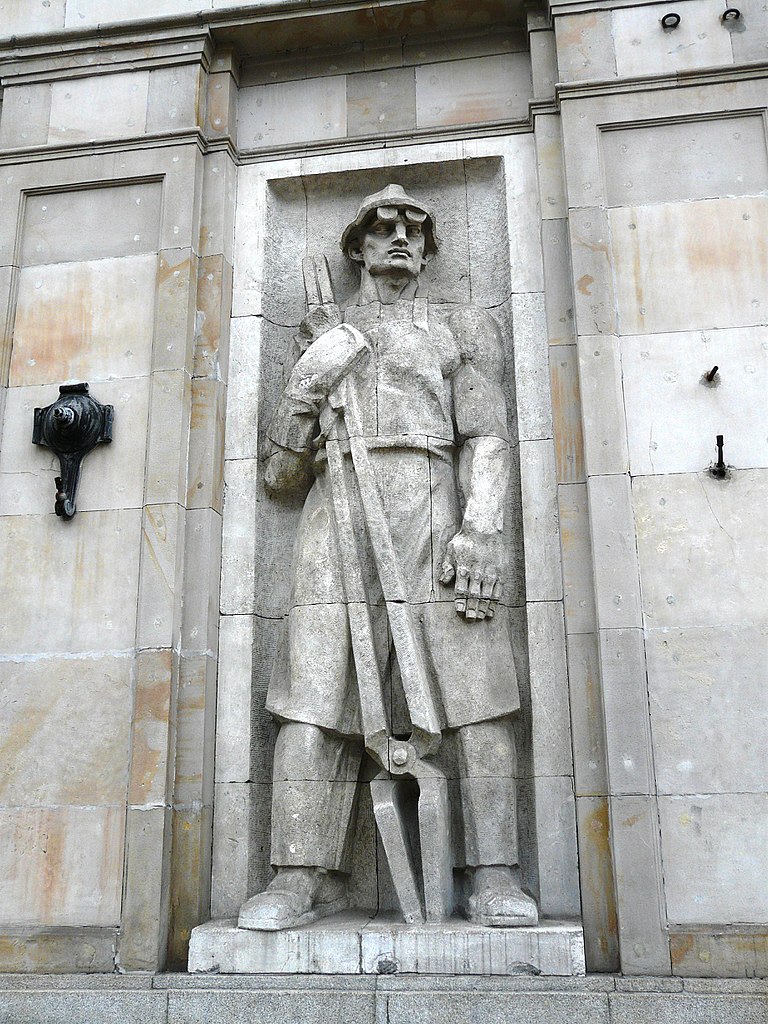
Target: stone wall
x,y
159,175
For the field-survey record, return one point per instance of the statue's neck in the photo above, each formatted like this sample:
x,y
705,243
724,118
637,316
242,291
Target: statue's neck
x,y
386,288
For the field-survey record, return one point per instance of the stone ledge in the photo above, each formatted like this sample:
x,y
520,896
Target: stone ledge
x,y
354,943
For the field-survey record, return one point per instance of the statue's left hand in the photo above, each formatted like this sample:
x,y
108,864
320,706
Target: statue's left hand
x,y
318,320
473,560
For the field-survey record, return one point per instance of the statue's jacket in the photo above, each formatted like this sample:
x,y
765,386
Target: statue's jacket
x,y
415,410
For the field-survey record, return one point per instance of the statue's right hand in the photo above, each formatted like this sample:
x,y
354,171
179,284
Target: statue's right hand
x,y
318,320
286,472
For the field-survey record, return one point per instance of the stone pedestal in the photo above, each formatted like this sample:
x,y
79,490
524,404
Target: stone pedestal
x,y
355,943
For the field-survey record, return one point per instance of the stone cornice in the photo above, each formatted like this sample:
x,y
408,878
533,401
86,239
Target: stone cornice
x,y
651,83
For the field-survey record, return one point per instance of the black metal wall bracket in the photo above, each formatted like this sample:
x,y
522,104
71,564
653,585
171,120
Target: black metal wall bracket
x,y
71,427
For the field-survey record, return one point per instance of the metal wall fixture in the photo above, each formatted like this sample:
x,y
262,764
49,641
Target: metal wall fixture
x,y
731,14
718,469
72,427
670,21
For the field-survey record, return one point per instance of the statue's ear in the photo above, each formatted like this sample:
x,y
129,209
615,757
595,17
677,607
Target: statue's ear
x,y
355,252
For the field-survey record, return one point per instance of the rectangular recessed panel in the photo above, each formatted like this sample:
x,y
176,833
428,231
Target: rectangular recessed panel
x,y
91,223
663,163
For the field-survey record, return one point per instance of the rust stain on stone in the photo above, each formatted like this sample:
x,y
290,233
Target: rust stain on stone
x,y
583,284
566,405
680,946
632,820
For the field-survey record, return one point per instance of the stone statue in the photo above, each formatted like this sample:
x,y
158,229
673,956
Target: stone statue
x,y
395,657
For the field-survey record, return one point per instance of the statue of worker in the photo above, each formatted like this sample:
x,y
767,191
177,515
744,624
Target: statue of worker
x,y
419,399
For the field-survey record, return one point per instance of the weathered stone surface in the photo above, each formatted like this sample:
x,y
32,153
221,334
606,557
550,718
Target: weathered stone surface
x,y
274,1007
465,1008
551,727
87,1007
84,321
714,847
717,961
691,526
556,847
594,302
161,564
585,688
26,112
578,579
534,401
627,721
646,1007
290,112
603,415
381,101
155,676
20,16
543,578
706,697
40,956
549,157
644,48
614,550
585,46
598,884
78,851
173,99
170,409
472,91
239,537
99,107
141,941
673,417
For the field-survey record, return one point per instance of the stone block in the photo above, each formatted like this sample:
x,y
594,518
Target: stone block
x,y
593,272
751,44
566,414
242,436
249,240
587,726
214,299
598,885
88,573
524,221
174,98
494,88
714,857
169,417
84,321
53,952
627,721
190,874
706,697
381,101
151,747
233,713
382,53
487,216
241,845
585,47
354,942
698,245
549,158
205,474
111,477
543,578
175,310
649,1007
41,1007
143,927
578,577
685,160
275,1007
288,113
20,17
238,582
699,565
556,848
217,225
26,112
68,226
543,63
160,576
221,106
99,107
534,401
48,758
643,941
644,48
550,725
499,1008
195,733
61,866
673,416
556,251
202,568
704,958
603,411
614,552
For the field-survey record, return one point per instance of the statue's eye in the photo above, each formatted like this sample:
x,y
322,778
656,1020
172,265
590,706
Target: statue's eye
x,y
381,229
413,230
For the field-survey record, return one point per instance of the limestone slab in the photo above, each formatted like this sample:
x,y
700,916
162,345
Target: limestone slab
x,y
647,1008
381,101
21,17
231,883
175,309
242,436
713,250
471,91
160,575
112,477
51,952
705,958
214,299
751,44
89,573
556,252
543,63
603,411
218,206
84,1007
701,545
550,726
291,112
47,758
585,46
90,320
239,537
140,944
274,1007
355,943
26,111
205,472
233,718
567,414
598,884
195,737
673,416
578,580
627,722
614,551
686,160
556,848
68,226
155,681
534,401
173,99
707,696
587,726
594,302
84,13
644,48
714,855
465,1008
169,420
202,570
61,866
99,107
543,578
549,155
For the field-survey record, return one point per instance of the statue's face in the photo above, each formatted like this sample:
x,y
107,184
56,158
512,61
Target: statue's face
x,y
394,245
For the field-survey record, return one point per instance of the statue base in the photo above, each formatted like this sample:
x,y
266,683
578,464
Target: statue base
x,y
354,942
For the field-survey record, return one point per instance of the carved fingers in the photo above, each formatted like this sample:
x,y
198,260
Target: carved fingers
x,y
471,563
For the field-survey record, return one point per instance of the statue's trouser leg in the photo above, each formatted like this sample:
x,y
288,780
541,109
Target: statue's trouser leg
x,y
313,796
487,766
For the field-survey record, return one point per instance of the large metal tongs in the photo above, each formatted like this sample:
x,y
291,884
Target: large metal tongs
x,y
398,758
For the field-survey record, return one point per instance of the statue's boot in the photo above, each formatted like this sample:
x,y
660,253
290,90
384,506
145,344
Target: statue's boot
x,y
294,897
497,900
